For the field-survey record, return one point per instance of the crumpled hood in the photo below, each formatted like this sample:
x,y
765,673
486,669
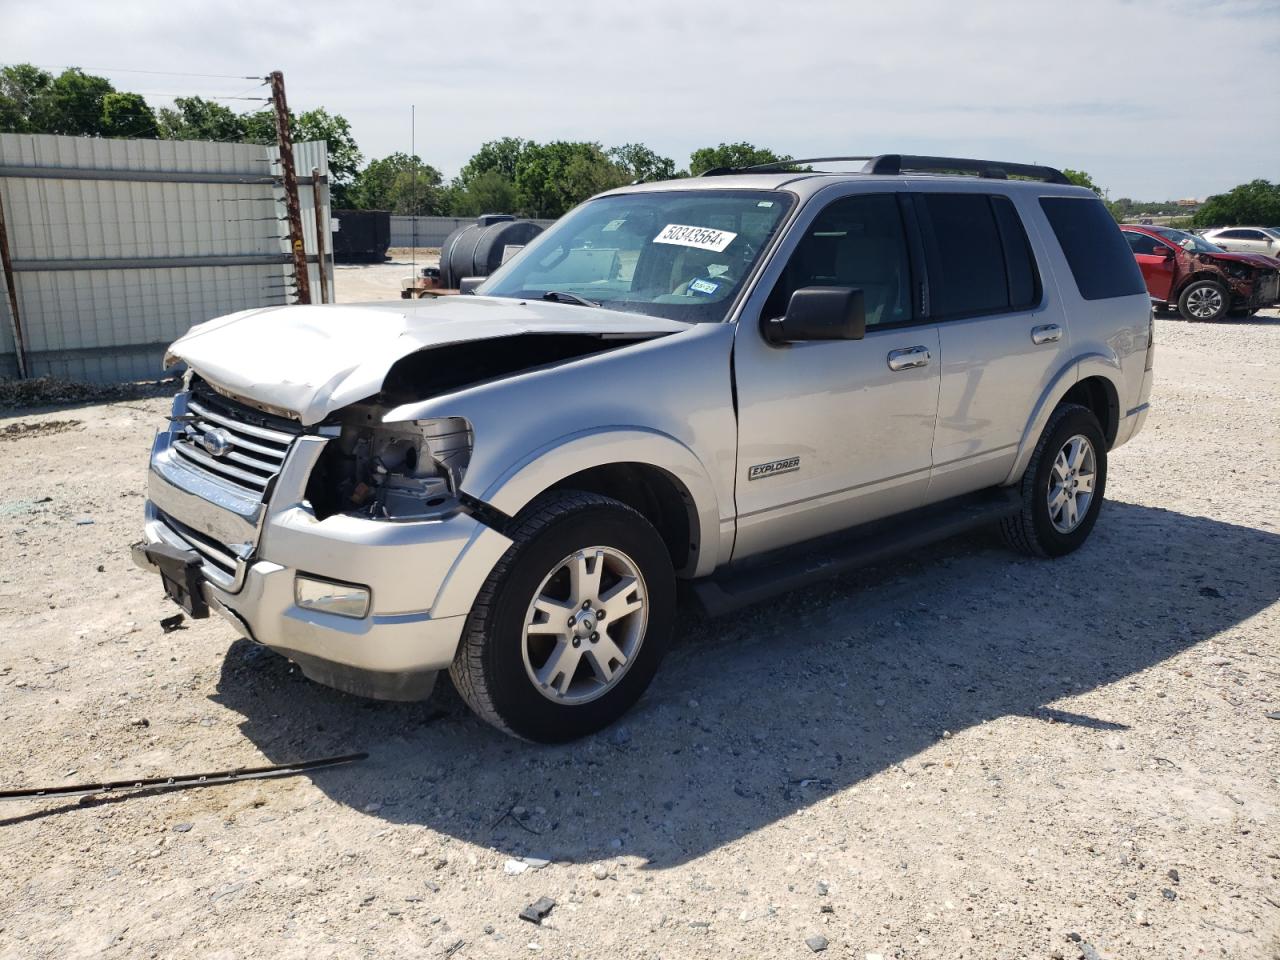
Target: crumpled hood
x,y
311,360
1252,259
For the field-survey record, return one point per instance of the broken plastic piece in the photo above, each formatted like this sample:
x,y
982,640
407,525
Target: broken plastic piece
x,y
537,911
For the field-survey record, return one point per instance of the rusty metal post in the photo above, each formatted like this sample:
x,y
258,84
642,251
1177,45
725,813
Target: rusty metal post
x,y
320,232
294,209
19,347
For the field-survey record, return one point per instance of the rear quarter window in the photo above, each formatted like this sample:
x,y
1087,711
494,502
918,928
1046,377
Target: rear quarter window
x,y
1097,253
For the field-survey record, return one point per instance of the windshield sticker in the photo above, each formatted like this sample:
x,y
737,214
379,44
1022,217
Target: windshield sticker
x,y
703,238
703,286
612,225
765,203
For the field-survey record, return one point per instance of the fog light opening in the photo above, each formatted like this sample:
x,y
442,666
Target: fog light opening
x,y
331,596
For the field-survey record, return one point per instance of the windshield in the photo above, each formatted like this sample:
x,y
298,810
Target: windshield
x,y
1188,241
683,255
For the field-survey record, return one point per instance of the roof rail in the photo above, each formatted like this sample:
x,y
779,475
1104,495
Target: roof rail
x,y
894,164
773,165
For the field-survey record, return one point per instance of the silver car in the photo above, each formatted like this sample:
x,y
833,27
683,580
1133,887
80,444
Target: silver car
x,y
745,381
1262,240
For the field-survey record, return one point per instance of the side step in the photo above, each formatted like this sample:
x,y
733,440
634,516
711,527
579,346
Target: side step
x,y
780,571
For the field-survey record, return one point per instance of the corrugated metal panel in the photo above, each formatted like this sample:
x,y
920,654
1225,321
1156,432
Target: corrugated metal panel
x,y
110,324
431,231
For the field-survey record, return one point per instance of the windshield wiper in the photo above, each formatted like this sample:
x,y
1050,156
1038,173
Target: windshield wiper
x,y
564,296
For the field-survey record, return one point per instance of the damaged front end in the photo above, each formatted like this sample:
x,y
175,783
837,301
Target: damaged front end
x,y
397,472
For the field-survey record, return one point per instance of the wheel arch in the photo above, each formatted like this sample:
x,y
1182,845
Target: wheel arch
x,y
1196,277
650,471
1093,381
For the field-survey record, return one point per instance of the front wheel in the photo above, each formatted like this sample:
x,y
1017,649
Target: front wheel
x,y
1063,486
1204,300
569,628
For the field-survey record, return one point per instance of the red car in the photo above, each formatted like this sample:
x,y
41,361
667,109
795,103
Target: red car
x,y
1199,280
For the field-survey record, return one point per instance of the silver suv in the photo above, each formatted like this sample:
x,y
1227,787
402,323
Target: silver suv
x,y
745,381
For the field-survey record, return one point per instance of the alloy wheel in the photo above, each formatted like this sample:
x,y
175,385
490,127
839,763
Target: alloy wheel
x,y
1204,302
1071,484
585,625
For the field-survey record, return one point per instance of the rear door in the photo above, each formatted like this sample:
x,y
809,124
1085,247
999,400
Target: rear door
x,y
1002,339
1156,259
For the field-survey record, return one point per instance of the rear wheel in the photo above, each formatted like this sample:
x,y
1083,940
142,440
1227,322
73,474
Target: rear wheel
x,y
572,623
1204,300
1063,486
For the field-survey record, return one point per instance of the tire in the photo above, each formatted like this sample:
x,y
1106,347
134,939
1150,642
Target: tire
x,y
1036,530
499,661
1205,300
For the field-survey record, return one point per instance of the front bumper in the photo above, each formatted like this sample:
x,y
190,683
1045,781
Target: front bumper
x,y
423,575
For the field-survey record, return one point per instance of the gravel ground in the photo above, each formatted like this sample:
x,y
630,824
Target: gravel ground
x,y
961,754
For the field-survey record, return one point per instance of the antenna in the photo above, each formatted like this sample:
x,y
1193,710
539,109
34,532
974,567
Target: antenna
x,y
413,191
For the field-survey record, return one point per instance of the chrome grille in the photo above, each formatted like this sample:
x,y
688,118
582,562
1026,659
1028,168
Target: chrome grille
x,y
218,559
232,442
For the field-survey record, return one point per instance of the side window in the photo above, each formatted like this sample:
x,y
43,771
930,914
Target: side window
x,y
965,254
857,241
1143,243
1019,261
1251,235
1234,234
1100,260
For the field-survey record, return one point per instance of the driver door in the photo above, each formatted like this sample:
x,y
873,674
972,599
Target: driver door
x,y
1157,261
835,433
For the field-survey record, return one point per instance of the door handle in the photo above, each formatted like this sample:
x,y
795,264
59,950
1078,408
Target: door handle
x,y
908,358
1049,333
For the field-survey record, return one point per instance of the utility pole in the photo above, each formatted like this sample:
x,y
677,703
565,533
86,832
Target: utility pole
x,y
6,265
294,209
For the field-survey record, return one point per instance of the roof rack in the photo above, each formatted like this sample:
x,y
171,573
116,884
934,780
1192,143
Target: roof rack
x,y
893,164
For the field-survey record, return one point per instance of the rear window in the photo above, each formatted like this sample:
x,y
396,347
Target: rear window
x,y
966,258
1024,278
1101,261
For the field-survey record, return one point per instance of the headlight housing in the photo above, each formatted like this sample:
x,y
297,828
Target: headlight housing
x,y
410,470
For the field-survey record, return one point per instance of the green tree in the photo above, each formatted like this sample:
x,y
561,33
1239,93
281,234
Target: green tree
x,y
128,115
642,163
1256,203
500,156
23,98
75,102
488,192
33,101
734,155
195,118
402,184
1082,179
344,155
551,178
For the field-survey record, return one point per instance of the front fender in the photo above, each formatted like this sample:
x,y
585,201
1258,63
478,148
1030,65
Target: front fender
x,y
546,466
1080,368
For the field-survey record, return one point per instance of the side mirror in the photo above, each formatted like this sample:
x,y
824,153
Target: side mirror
x,y
1164,252
820,313
469,284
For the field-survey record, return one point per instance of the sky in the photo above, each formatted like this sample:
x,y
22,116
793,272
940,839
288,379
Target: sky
x,y
1156,99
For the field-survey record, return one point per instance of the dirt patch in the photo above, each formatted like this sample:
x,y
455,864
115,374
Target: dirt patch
x,y
36,428
50,391
964,753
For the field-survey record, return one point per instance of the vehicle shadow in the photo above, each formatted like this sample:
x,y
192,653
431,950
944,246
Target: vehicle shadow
x,y
756,716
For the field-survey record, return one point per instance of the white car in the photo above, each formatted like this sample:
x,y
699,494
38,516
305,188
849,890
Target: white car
x,y
1264,240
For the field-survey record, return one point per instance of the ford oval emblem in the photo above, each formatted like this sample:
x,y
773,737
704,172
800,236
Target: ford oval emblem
x,y
216,443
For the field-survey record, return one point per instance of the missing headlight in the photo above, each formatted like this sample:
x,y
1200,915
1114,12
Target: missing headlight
x,y
398,471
